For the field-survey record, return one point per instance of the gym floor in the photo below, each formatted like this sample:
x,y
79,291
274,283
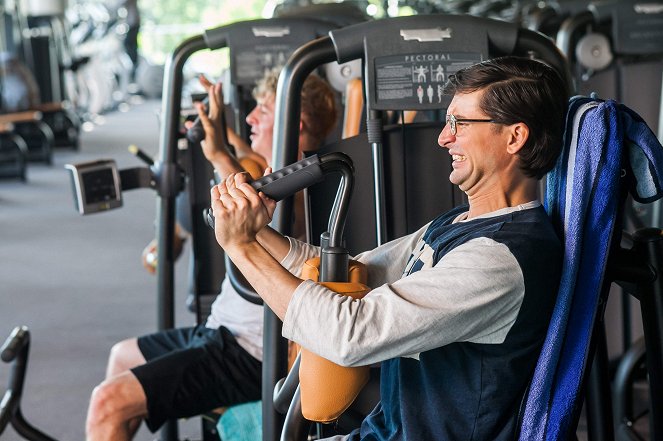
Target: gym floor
x,y
77,281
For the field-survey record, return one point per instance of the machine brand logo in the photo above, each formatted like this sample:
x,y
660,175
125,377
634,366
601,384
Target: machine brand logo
x,y
271,31
648,8
435,34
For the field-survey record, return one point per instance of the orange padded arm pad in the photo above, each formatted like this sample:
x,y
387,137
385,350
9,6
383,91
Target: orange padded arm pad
x,y
354,104
356,271
252,166
328,389
408,116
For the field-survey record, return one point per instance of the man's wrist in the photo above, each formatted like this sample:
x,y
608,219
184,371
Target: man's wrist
x,y
217,176
242,250
224,165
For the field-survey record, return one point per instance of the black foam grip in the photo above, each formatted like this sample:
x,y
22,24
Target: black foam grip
x,y
196,132
14,344
286,181
290,179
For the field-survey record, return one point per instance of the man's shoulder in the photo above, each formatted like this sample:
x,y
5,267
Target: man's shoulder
x,y
529,227
522,231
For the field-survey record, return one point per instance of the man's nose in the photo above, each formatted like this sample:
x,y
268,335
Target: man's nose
x,y
445,136
250,118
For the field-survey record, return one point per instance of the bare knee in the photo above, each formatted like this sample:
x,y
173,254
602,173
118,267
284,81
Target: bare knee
x,y
124,355
103,404
115,402
104,418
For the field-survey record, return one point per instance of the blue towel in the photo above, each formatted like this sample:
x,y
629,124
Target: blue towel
x,y
242,422
607,149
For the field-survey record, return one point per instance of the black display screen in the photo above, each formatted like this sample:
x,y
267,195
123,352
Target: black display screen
x,y
99,186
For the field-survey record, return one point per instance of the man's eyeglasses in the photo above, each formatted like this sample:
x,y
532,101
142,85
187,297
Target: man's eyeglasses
x,y
453,121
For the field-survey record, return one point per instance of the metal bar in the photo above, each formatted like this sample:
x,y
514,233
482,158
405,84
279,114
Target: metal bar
x,y
374,131
171,107
286,145
599,412
167,172
649,241
378,189
623,383
297,426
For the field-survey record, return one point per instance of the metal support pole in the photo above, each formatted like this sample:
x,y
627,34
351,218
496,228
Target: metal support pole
x,y
286,143
649,242
167,173
599,412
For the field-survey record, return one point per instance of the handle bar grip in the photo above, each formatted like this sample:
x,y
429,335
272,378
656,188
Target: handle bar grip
x,y
196,132
286,181
290,179
19,337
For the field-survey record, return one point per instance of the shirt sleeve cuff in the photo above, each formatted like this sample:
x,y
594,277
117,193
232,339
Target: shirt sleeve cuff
x,y
289,258
298,254
289,328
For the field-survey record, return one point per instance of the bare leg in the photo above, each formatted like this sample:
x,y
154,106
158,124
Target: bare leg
x,y
124,356
116,404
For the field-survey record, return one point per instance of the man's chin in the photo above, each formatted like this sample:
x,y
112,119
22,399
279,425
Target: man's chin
x,y
455,179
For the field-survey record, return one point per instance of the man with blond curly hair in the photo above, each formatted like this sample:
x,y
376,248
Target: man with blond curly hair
x,y
189,371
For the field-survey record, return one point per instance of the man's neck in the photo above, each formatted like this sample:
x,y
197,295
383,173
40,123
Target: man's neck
x,y
495,200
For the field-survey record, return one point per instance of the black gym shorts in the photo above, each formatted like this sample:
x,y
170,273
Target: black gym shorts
x,y
190,371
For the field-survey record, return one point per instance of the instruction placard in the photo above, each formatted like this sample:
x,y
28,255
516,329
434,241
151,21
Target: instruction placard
x,y
250,66
415,81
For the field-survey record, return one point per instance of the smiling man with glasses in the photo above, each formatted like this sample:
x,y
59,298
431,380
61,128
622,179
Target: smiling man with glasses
x,y
503,130
459,309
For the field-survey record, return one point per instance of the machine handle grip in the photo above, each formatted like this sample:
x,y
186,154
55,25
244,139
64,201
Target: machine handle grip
x,y
286,181
19,337
290,179
196,133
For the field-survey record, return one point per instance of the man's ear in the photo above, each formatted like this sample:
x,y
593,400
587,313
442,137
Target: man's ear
x,y
518,134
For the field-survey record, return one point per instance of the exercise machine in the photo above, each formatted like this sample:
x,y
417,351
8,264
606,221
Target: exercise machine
x,y
400,58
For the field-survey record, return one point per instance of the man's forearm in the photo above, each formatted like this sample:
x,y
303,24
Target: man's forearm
x,y
270,280
225,164
274,242
241,147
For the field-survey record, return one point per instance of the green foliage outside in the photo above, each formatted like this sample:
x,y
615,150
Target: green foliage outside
x,y
166,23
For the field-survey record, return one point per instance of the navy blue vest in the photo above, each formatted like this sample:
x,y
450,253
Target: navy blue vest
x,y
470,391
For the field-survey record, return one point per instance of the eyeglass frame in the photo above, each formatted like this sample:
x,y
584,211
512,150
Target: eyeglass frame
x,y
452,121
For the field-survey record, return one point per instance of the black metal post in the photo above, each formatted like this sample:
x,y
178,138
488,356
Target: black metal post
x,y
168,185
286,146
599,412
649,242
